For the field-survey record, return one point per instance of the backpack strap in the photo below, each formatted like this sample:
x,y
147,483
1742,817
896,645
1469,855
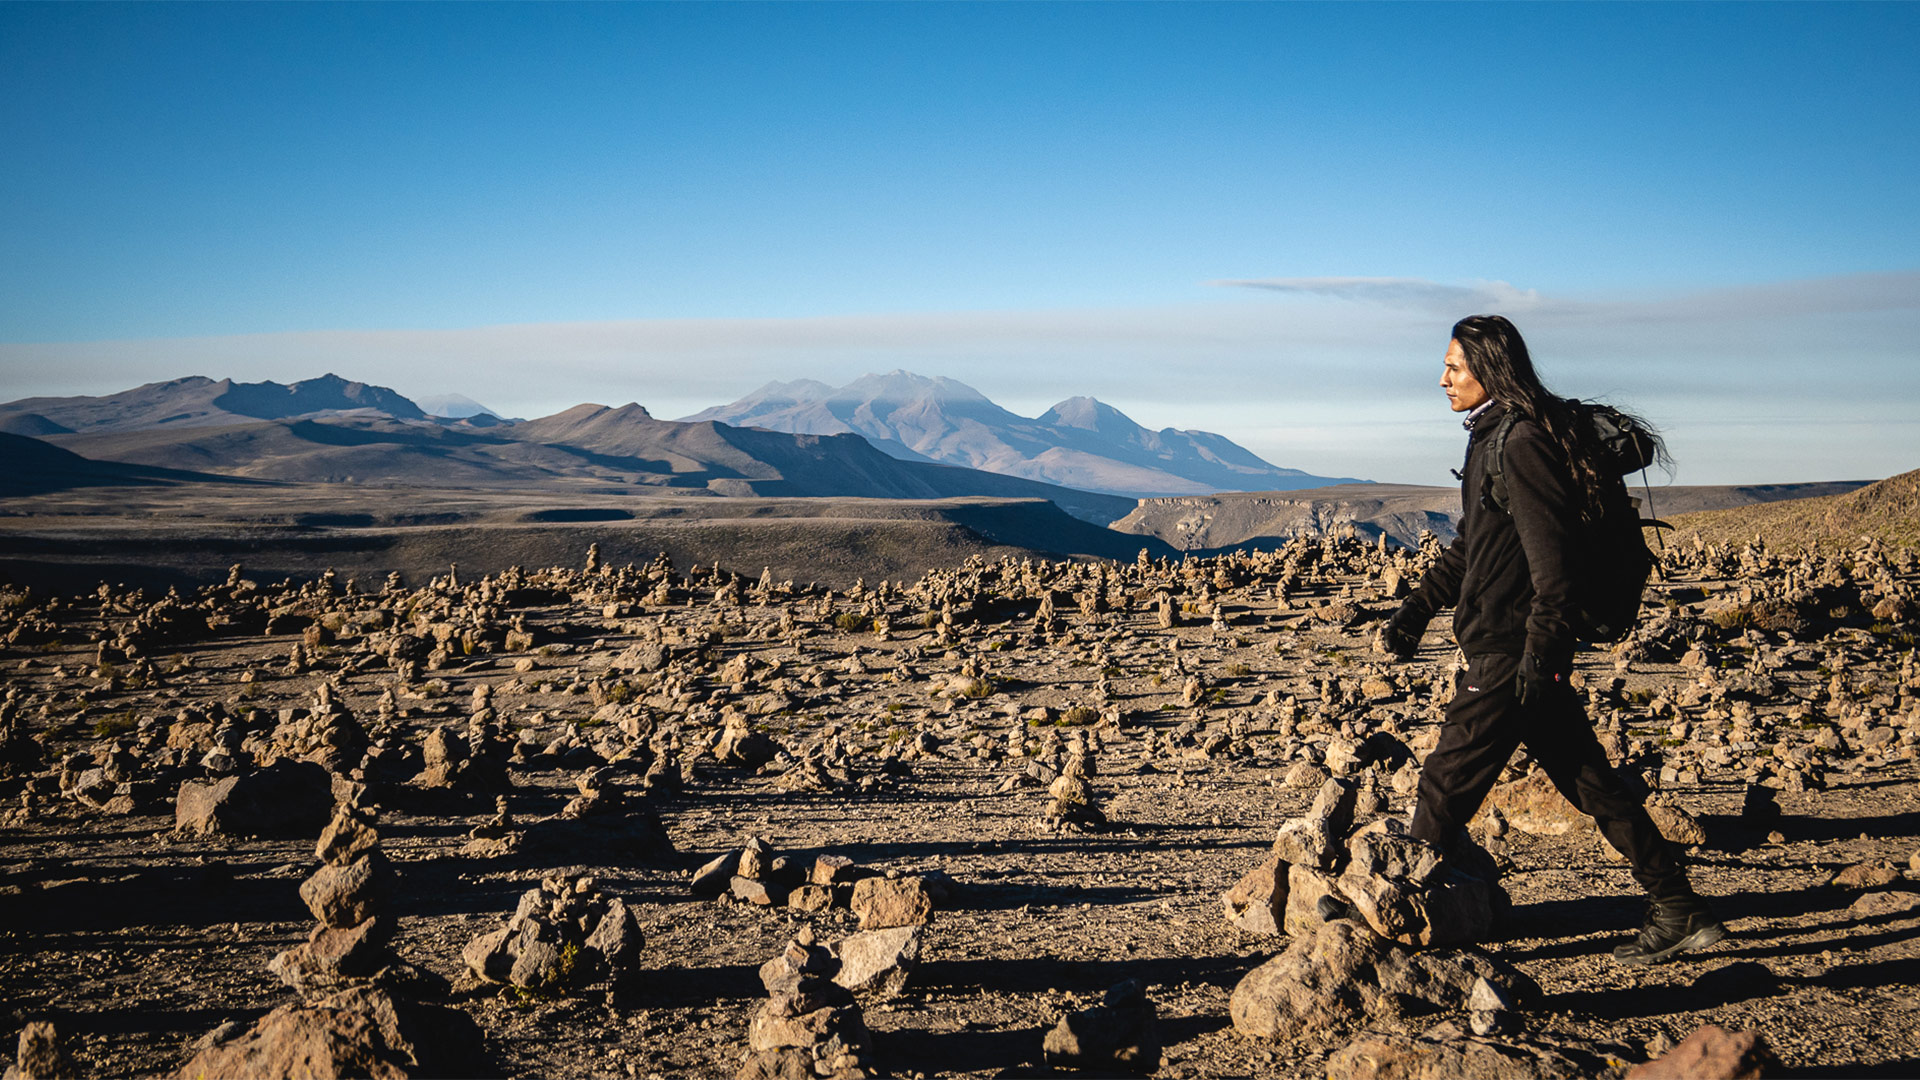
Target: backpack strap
x,y
1496,462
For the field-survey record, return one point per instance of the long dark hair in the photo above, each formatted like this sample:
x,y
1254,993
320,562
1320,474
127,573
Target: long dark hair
x,y
1498,357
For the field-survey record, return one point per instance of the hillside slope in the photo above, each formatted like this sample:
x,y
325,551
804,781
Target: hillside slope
x,y
586,447
1888,510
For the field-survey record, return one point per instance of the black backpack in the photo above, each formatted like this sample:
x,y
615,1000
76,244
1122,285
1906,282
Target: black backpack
x,y
1613,549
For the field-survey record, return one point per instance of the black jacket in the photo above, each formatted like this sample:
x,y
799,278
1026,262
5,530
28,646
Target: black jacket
x,y
1509,577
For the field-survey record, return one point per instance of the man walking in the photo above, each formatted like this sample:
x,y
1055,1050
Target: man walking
x,y
1510,577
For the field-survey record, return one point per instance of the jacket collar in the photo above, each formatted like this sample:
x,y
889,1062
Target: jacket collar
x,y
1480,411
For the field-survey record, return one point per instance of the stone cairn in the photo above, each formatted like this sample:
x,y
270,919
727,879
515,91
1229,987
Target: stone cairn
x,y
349,940
757,875
1375,917
893,909
1402,888
473,765
360,1013
1071,803
40,1055
810,1025
564,936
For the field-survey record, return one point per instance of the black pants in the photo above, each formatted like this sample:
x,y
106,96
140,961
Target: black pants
x,y
1486,721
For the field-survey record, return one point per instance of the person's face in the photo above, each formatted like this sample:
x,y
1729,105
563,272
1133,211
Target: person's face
x,y
1464,392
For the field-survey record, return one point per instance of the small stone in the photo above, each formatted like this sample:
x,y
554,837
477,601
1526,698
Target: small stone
x,y
488,957
878,962
1487,997
1304,841
1257,903
1304,774
1071,789
343,896
536,966
345,839
1712,1053
831,870
715,876
881,903
1533,805
1867,875
752,891
756,861
1486,1022
1120,1036
810,898
1674,823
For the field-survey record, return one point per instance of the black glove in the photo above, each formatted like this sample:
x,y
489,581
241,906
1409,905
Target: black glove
x,y
1536,684
1400,638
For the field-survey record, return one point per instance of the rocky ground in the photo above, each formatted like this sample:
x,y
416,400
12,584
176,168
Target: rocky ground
x,y
1039,778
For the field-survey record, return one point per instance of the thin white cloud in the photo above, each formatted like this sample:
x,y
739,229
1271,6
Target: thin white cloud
x,y
1416,294
1839,294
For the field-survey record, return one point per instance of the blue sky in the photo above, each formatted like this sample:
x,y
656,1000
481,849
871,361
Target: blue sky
x,y
1257,219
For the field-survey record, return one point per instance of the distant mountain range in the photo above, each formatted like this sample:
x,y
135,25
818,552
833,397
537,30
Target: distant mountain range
x,y
197,401
894,436
332,430
1080,443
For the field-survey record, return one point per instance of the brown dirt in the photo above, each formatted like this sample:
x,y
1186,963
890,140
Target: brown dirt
x,y
137,942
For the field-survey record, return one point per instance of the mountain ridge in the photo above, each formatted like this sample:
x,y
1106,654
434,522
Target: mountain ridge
x,y
589,446
1081,442
197,401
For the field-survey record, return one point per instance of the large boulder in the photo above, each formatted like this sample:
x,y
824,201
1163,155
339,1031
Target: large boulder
x,y
362,1031
1344,975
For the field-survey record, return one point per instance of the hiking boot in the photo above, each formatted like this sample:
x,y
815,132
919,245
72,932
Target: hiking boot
x,y
1672,927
